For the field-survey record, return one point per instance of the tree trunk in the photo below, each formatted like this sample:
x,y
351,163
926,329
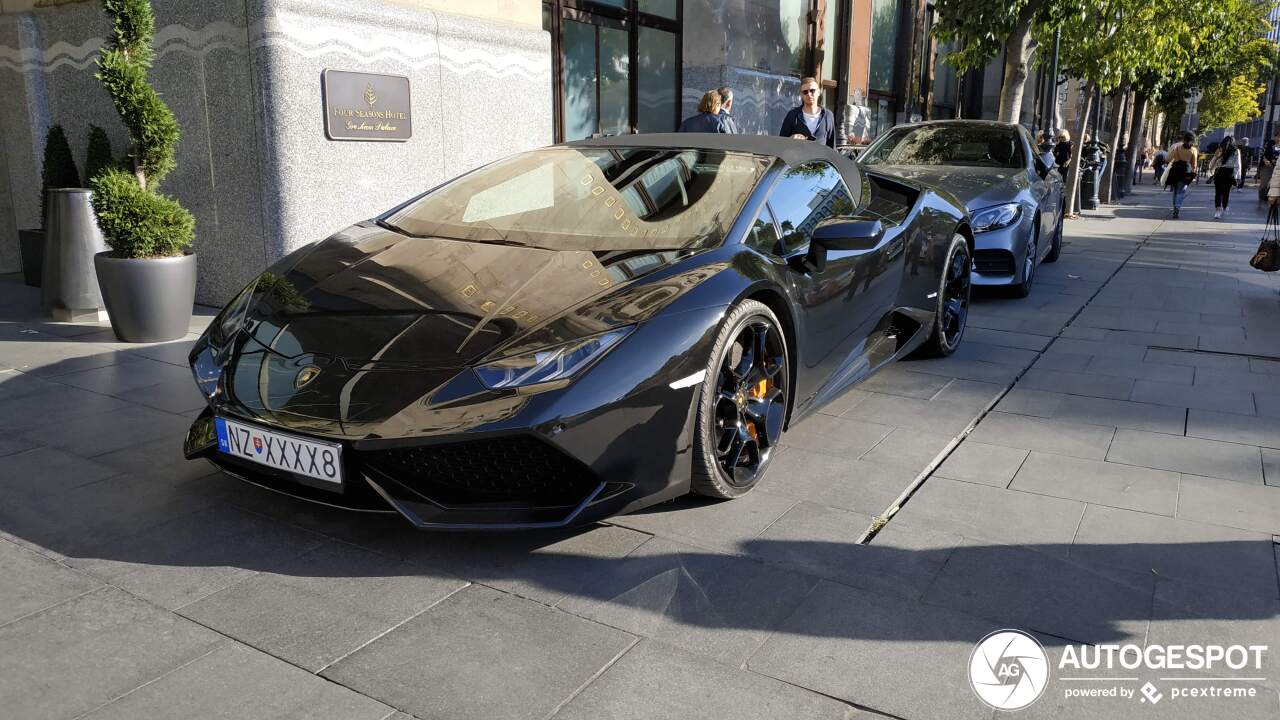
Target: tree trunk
x,y
1077,135
1113,146
1018,49
1137,138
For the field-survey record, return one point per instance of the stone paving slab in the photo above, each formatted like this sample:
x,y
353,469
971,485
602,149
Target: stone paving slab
x,y
626,691
1100,483
83,653
1187,454
1223,502
978,462
236,681
872,650
483,654
1029,433
995,514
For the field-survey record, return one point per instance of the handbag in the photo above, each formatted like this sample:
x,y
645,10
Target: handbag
x,y
1267,258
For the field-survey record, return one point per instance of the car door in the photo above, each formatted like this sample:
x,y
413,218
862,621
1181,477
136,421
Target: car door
x,y
843,302
1046,188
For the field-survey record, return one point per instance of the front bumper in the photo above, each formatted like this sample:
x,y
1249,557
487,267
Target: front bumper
x,y
617,439
998,255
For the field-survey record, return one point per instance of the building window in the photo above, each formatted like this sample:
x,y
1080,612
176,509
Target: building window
x,y
617,66
884,45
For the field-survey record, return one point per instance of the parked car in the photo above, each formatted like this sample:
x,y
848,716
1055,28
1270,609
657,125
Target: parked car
x,y
1011,190
578,331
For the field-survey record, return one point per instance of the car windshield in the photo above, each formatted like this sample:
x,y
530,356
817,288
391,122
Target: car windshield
x,y
596,199
967,145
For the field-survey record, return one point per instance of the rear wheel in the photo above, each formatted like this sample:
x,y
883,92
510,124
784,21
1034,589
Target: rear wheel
x,y
953,301
743,404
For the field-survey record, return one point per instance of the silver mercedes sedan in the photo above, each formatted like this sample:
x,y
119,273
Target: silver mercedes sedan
x,y
1013,193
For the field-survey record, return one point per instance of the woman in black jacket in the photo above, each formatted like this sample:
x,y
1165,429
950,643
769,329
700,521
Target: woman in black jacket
x,y
810,121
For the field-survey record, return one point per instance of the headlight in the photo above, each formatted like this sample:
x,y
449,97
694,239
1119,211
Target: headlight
x,y
231,319
554,363
993,218
206,370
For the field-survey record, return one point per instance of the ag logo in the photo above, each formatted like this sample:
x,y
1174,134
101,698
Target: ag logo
x,y
1008,670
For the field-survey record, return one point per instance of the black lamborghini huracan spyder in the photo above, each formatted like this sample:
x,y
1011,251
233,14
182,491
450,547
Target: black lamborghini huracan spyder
x,y
578,331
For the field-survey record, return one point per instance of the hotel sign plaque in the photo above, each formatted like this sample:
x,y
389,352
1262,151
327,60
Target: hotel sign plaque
x,y
366,106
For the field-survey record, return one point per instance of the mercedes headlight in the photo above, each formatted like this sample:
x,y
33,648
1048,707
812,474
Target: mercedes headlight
x,y
994,218
558,362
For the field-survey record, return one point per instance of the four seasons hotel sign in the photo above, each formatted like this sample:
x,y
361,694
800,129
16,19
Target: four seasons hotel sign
x,y
366,106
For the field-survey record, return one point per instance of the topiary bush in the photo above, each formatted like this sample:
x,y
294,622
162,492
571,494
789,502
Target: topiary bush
x,y
59,166
139,223
98,156
131,213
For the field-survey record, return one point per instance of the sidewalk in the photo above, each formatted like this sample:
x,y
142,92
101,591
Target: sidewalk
x,y
1098,463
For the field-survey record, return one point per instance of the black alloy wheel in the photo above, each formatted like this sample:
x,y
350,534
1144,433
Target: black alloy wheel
x,y
953,301
743,406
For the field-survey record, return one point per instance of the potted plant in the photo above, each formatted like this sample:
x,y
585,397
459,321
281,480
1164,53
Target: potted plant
x,y
148,279
59,172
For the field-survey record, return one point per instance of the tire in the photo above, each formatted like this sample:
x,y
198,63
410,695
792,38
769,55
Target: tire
x,y
950,318
1055,249
1029,264
730,412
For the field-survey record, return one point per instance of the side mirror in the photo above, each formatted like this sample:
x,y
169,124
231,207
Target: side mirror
x,y
842,234
1046,163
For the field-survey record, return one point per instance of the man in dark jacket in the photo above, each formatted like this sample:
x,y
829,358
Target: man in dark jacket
x,y
810,121
1267,165
726,110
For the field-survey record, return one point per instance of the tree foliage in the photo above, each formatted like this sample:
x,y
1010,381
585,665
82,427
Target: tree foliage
x,y
1230,101
978,28
136,220
98,155
59,169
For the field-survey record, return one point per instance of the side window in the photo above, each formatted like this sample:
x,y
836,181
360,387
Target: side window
x,y
805,196
764,233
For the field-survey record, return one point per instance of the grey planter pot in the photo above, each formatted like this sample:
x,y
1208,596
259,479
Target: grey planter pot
x,y
69,285
31,243
148,300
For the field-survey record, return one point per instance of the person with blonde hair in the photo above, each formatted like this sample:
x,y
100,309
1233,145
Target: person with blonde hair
x,y
810,121
1062,151
708,119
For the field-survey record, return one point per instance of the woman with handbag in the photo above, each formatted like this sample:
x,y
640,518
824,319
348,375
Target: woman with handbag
x,y
1183,161
1225,169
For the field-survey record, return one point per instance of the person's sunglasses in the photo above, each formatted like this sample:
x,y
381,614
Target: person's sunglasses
x,y
810,91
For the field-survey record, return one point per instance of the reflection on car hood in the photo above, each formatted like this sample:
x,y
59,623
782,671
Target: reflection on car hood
x,y
976,187
387,319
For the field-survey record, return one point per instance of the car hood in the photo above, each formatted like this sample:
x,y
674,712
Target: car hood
x,y
976,187
384,319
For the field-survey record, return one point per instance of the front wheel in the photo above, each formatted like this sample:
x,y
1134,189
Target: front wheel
x,y
1055,248
1029,263
743,405
953,301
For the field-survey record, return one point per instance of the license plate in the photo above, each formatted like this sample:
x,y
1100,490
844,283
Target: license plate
x,y
318,460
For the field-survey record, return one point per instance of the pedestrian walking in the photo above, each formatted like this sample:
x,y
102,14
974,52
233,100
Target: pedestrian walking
x,y
726,110
708,119
1267,165
1183,158
1159,158
1140,165
1062,151
810,121
1246,160
1224,168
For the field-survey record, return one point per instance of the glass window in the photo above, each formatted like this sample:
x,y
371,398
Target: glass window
x,y
578,45
884,44
656,77
827,11
615,93
947,145
764,234
793,21
661,8
804,196
591,199
944,83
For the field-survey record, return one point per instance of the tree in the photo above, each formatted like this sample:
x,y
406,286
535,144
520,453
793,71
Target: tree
x,y
98,156
59,166
138,221
1230,101
981,29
